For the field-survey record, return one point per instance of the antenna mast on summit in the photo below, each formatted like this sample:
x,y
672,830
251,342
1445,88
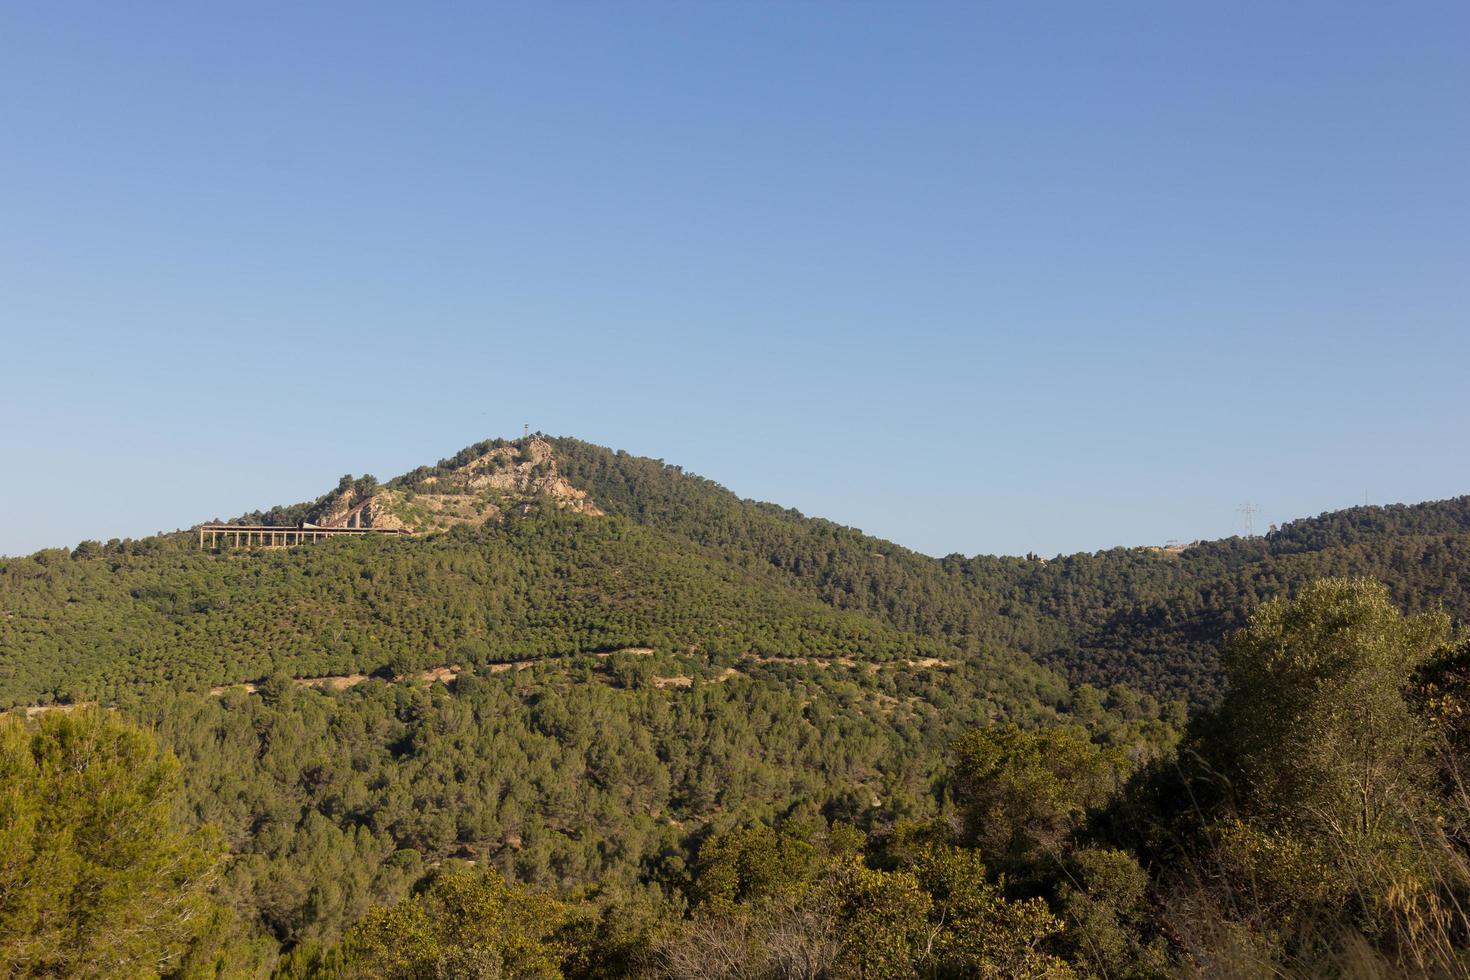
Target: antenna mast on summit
x,y
1250,511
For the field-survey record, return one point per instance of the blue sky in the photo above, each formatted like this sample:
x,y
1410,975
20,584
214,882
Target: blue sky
x,y
973,277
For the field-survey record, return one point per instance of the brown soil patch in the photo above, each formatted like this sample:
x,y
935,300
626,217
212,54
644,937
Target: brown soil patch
x,y
441,675
923,663
36,710
511,665
681,680
335,682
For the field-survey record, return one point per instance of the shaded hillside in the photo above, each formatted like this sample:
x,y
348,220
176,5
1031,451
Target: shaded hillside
x,y
1129,615
160,613
560,547
685,663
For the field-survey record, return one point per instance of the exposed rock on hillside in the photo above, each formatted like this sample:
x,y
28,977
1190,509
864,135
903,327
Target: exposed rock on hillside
x,y
516,476
380,511
333,511
530,471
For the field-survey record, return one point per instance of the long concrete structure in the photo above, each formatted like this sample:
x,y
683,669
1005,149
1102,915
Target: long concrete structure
x,y
269,536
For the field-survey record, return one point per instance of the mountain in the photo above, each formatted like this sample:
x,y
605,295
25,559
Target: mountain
x,y
540,679
479,484
554,546
587,670
512,562
1143,616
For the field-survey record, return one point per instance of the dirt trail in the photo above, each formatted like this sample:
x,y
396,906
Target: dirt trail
x,y
443,674
923,663
446,673
684,680
36,710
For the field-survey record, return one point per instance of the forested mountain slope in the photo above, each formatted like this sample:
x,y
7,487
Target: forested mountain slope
x,y
160,613
637,661
1137,616
570,548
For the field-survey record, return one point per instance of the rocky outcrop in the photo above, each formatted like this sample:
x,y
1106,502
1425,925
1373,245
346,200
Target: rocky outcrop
x,y
518,476
333,511
379,512
528,471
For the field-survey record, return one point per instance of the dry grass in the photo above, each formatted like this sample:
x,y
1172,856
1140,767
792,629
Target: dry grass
x,y
1405,912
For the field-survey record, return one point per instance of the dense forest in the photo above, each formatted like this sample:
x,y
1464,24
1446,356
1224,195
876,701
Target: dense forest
x,y
691,735
675,555
1137,616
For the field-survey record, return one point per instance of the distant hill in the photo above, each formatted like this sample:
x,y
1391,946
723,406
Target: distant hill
x,y
583,664
480,484
1136,616
553,546
513,561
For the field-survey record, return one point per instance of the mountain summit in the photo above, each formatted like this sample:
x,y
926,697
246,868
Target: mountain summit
x,y
547,546
497,477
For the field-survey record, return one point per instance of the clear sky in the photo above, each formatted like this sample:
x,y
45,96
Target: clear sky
x,y
974,277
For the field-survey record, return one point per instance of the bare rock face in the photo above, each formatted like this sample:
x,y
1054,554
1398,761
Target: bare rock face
x,y
379,512
333,513
516,477
529,473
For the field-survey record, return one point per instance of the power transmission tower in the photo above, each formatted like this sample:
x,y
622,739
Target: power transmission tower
x,y
1250,511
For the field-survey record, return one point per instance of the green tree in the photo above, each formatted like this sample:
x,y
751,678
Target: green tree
x,y
1104,900
98,877
973,930
465,924
749,864
1317,722
1025,793
883,920
1329,825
